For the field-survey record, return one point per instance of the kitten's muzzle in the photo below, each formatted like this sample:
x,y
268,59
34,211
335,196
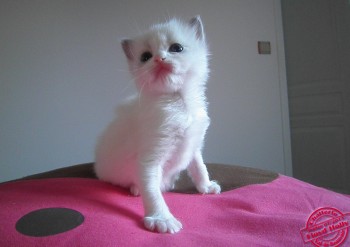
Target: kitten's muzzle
x,y
159,59
162,68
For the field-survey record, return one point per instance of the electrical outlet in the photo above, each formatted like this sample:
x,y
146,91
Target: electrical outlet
x,y
264,47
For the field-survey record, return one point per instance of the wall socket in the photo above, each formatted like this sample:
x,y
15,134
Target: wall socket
x,y
264,47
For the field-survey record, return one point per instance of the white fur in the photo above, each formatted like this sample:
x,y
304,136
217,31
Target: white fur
x,y
160,131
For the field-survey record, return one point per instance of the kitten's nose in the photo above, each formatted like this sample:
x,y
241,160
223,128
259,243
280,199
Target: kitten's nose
x,y
159,59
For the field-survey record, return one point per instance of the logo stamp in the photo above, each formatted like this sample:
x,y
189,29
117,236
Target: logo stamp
x,y
326,227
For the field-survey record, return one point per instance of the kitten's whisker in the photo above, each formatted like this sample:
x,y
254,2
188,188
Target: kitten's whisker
x,y
138,76
125,88
123,70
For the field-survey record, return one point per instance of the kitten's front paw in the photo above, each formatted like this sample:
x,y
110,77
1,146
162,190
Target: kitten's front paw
x,y
212,188
162,225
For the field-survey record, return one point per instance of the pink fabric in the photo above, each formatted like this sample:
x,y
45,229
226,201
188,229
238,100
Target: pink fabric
x,y
256,215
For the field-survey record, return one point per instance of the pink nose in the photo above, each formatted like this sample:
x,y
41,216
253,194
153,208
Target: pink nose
x,y
159,59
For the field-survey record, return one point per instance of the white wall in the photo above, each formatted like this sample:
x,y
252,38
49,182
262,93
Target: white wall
x,y
62,72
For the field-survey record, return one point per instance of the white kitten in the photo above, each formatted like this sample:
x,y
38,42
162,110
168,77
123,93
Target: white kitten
x,y
160,132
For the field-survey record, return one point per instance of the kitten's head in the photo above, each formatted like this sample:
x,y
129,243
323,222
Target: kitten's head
x,y
168,56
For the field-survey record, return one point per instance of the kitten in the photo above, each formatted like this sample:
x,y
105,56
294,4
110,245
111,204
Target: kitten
x,y
160,131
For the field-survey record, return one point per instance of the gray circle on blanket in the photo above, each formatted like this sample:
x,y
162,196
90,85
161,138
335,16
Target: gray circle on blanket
x,y
49,221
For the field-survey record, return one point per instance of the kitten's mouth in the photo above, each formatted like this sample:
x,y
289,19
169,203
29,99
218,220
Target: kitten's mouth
x,y
162,70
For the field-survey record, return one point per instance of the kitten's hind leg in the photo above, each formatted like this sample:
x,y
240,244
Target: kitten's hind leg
x,y
200,177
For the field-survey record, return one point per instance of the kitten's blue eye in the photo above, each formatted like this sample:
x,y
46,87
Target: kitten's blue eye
x,y
146,56
176,48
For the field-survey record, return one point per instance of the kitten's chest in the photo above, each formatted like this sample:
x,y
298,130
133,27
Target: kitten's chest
x,y
174,117
183,121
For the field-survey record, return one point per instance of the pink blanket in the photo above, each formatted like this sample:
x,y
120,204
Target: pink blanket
x,y
273,214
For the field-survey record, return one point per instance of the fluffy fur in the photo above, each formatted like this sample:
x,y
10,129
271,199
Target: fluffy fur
x,y
160,131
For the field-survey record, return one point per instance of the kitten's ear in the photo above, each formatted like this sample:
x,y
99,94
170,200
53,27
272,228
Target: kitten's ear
x,y
126,44
196,24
